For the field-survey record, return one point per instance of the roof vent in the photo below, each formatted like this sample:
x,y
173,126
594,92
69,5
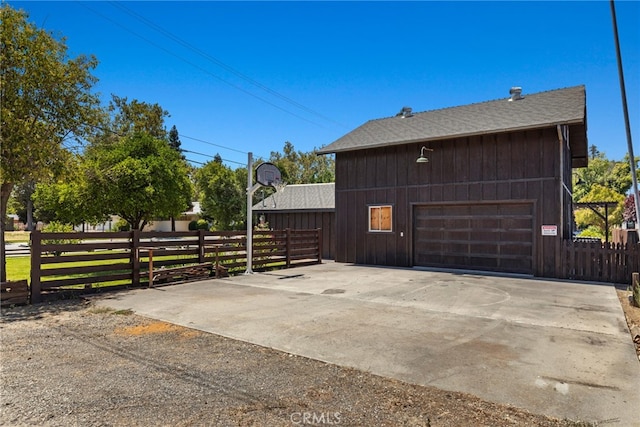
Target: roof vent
x,y
405,112
516,93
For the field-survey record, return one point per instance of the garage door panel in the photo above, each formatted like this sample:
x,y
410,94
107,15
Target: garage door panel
x,y
489,236
482,223
484,210
515,209
455,235
516,250
484,263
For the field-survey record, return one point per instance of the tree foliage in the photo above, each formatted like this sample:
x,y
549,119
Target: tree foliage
x,y
615,175
586,217
45,100
174,139
67,200
137,117
139,178
222,193
298,167
603,180
629,210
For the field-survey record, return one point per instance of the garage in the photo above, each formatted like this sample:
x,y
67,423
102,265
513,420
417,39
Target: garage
x,y
496,236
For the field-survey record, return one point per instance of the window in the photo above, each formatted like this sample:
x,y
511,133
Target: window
x,y
380,218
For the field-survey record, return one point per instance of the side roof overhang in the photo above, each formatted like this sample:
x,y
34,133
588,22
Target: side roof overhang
x,y
533,111
300,198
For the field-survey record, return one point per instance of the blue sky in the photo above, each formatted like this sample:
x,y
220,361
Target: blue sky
x,y
248,76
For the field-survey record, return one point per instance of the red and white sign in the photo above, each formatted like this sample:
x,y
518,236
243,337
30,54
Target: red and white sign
x,y
549,230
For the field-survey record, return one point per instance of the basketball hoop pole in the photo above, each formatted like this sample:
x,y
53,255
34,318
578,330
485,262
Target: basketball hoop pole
x,y
269,175
250,190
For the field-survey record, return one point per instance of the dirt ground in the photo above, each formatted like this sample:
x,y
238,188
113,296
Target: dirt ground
x,y
632,313
71,363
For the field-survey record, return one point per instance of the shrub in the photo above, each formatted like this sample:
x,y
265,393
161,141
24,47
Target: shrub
x,y
200,224
122,225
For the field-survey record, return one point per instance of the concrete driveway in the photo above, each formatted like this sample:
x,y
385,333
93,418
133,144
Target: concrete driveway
x,y
556,348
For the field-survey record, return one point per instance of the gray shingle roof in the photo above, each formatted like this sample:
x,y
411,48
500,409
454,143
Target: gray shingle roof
x,y
297,197
561,106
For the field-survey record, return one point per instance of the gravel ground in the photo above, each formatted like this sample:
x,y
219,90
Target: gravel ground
x,y
69,363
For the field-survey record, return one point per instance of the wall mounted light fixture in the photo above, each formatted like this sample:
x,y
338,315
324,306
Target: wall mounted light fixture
x,y
422,158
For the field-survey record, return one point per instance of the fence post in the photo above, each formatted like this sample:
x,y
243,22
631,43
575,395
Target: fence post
x,y
135,257
201,254
635,283
36,264
319,233
287,232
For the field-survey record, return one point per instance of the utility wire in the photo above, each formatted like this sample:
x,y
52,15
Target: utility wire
x,y
211,157
204,70
218,145
211,143
219,63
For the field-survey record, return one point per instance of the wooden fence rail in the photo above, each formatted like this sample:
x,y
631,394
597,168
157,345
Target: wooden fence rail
x,y
81,261
600,262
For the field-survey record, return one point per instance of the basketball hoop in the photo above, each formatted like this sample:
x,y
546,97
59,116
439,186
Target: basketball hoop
x,y
279,186
268,174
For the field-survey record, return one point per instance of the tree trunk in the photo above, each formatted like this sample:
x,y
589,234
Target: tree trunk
x,y
30,226
5,192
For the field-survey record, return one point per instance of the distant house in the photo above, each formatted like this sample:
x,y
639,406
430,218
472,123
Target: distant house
x,y
181,222
494,194
303,207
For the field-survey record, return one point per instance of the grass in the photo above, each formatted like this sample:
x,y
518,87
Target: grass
x,y
16,236
18,267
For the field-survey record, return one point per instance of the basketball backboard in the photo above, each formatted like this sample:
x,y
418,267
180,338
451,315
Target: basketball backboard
x,y
268,174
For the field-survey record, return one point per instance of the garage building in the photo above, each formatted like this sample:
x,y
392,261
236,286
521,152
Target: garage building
x,y
482,186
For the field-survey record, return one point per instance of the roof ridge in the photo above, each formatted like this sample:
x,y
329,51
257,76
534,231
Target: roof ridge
x,y
484,102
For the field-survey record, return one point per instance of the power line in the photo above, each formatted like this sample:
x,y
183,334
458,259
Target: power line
x,y
212,157
202,69
218,145
219,63
215,145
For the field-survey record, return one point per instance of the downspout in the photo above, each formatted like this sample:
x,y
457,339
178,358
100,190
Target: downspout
x,y
563,139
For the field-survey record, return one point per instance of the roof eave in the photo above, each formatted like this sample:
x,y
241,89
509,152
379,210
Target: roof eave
x,y
453,136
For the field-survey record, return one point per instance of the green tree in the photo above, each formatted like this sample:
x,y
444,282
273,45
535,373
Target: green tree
x,y
174,139
67,200
137,117
21,203
601,171
588,218
45,101
139,178
298,167
222,195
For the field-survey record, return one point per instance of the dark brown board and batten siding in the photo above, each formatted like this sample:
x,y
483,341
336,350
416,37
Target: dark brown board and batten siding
x,y
508,169
307,220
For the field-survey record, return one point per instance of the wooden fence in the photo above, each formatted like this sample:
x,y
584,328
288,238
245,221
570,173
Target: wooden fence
x,y
600,262
86,261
